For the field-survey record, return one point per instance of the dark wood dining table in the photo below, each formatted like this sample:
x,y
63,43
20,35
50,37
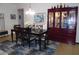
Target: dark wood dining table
x,y
38,34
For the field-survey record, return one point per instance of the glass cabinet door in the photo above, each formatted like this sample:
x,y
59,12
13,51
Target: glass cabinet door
x,y
64,19
57,19
71,20
50,19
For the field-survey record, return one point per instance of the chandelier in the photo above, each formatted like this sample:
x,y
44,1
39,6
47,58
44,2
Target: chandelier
x,y
30,11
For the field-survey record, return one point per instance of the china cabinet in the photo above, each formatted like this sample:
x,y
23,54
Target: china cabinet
x,y
62,22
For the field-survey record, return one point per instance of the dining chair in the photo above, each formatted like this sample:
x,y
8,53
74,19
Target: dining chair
x,y
16,26
21,35
44,37
44,40
17,33
31,37
24,34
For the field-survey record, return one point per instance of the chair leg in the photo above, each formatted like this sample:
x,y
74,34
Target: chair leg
x,y
23,41
47,41
45,44
35,42
29,43
16,40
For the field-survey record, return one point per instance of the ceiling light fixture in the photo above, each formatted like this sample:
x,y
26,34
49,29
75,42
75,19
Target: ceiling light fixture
x,y
30,11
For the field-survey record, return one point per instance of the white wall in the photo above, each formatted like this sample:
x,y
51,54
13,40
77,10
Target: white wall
x,y
7,9
42,7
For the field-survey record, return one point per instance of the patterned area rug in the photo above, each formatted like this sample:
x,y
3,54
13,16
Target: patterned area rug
x,y
9,48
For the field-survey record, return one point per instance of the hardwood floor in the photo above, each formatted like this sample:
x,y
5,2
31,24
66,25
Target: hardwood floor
x,y
66,49
8,37
62,49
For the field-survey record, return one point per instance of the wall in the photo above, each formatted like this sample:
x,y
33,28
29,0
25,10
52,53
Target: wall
x,y
42,7
7,9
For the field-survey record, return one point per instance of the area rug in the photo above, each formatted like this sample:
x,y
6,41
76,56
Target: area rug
x,y
10,48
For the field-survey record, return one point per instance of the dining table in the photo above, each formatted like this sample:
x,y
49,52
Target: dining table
x,y
35,33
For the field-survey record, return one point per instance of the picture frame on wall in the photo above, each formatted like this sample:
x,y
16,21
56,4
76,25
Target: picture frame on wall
x,y
13,16
39,17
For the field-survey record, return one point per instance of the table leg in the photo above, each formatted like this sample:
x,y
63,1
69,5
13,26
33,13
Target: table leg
x,y
16,39
45,43
12,35
39,43
47,40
